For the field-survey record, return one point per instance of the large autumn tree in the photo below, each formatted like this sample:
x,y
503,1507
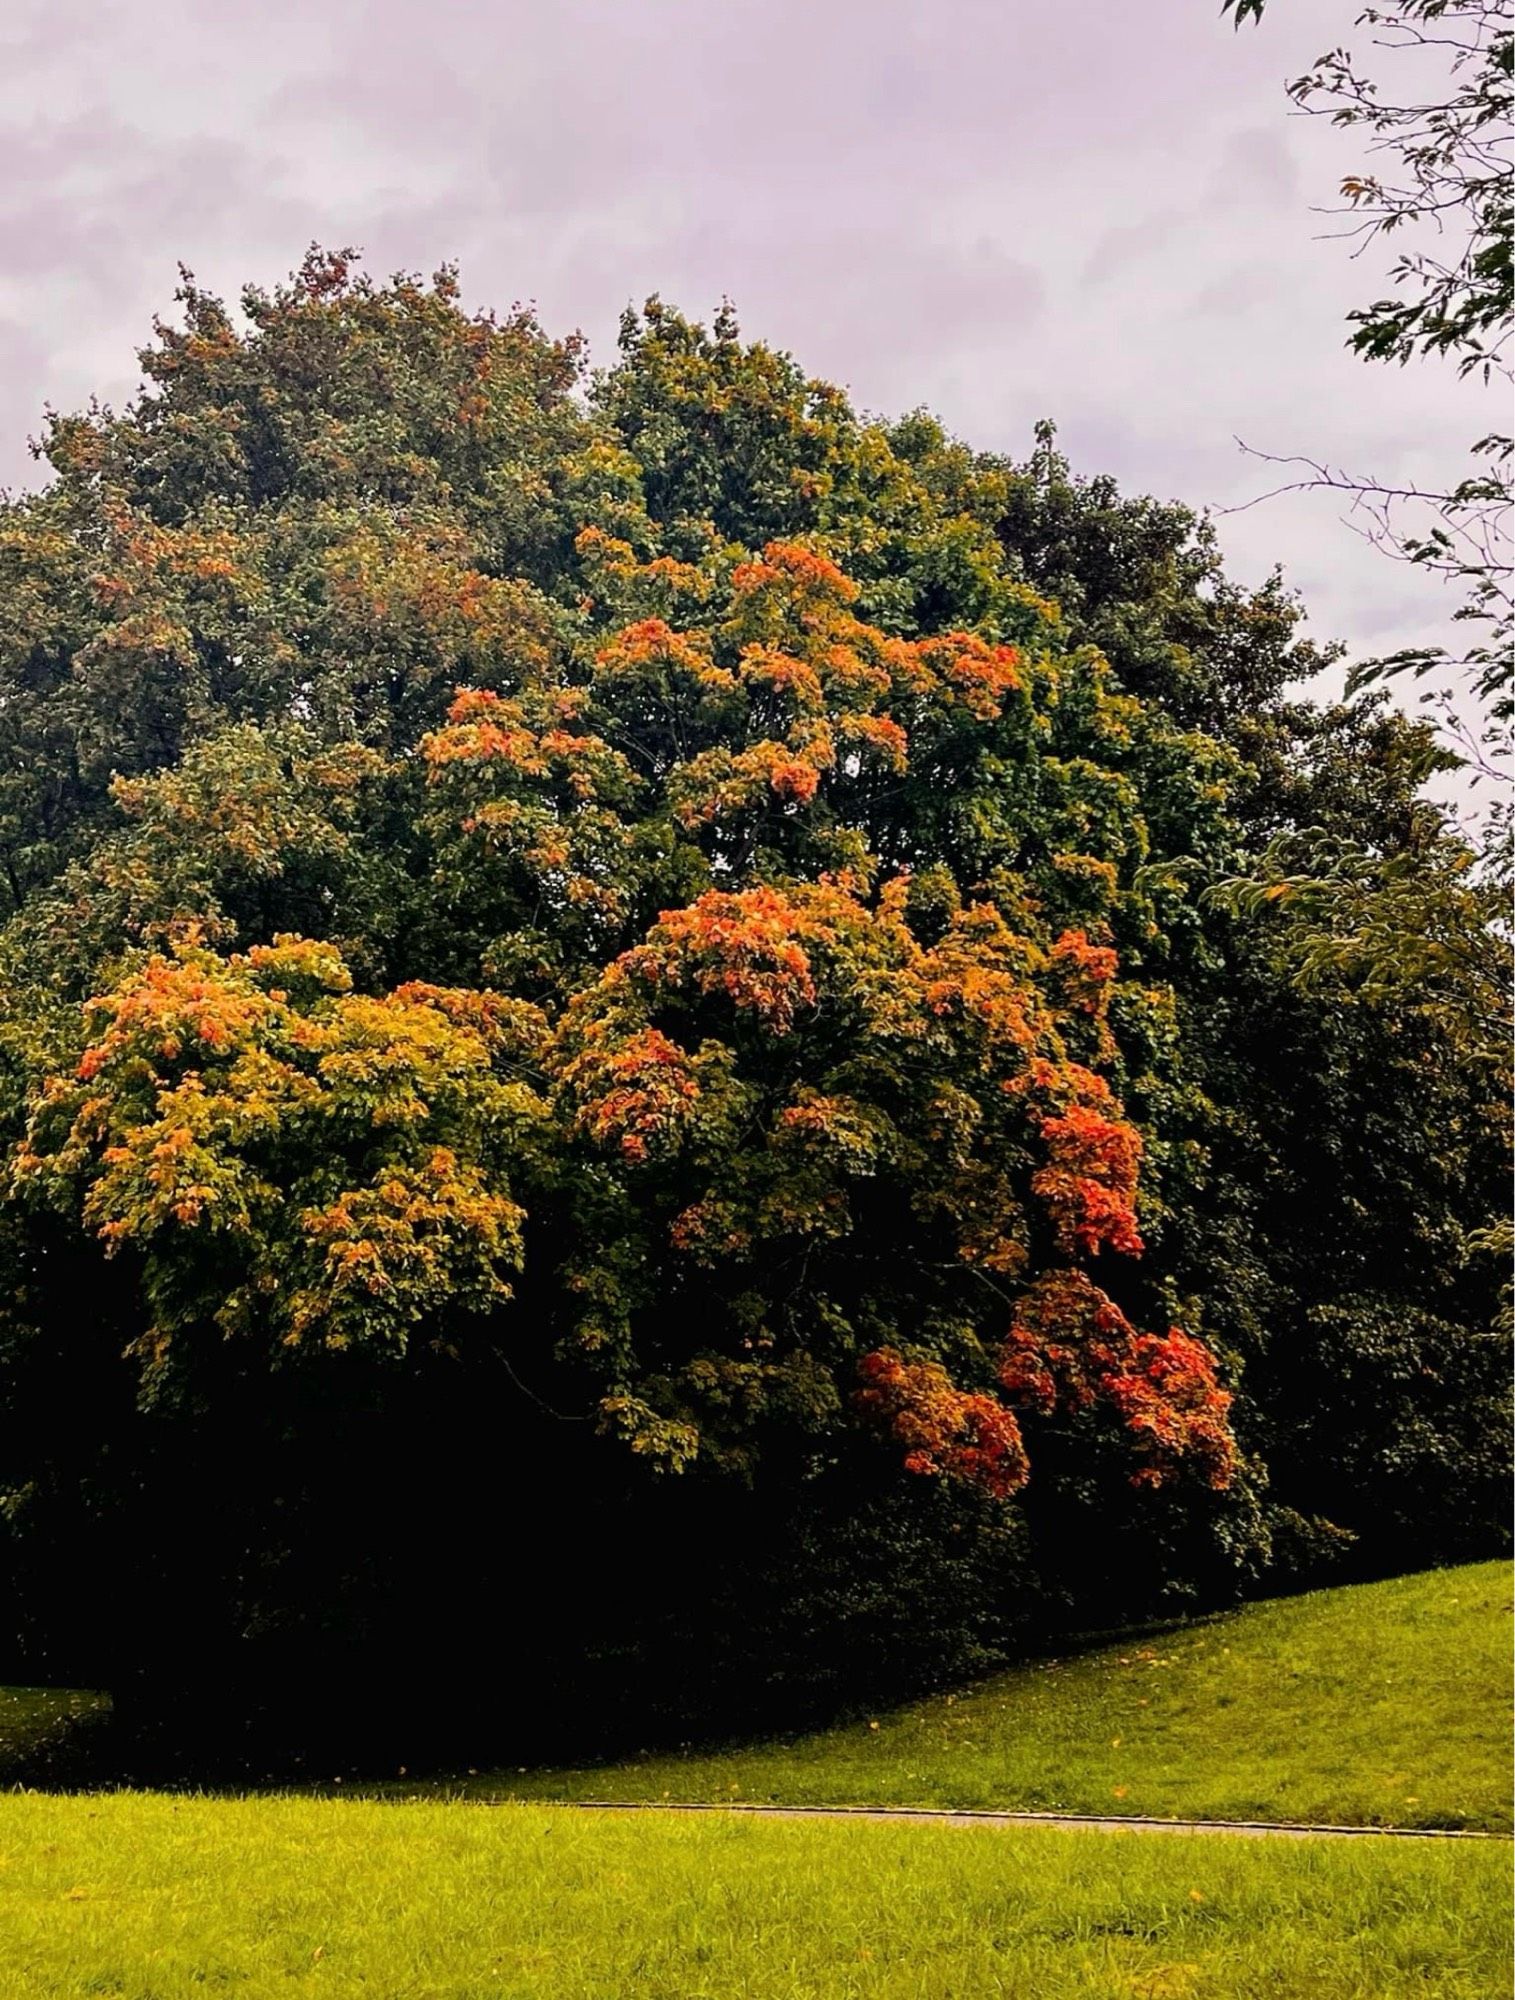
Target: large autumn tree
x,y
617,1074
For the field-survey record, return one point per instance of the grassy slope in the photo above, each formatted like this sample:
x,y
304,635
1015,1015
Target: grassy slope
x,y
144,1897
1380,1704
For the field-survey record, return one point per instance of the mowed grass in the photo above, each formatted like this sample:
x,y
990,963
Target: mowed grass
x,y
1382,1704
147,1897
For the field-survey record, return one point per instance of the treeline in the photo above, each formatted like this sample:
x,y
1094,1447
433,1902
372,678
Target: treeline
x,y
630,1098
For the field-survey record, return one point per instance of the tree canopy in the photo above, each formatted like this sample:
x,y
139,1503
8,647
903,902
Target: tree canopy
x,y
632,952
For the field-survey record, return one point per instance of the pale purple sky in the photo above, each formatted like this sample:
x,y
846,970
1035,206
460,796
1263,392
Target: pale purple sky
x,y
1096,210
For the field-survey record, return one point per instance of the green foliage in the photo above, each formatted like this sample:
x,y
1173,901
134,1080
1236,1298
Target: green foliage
x,y
555,940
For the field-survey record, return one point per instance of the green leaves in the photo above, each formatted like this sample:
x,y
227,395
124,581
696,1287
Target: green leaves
x,y
594,927
292,1163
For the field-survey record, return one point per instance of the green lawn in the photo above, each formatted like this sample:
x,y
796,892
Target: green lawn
x,y
144,1897
1379,1704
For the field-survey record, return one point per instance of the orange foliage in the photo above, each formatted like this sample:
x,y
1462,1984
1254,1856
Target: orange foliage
x,y
635,1094
946,1431
973,672
1086,971
1089,1182
1070,1347
798,571
745,947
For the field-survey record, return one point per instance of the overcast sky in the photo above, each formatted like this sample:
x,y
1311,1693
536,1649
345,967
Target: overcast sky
x,y
1095,210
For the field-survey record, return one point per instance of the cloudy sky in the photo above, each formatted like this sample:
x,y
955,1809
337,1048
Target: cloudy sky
x,y
1097,210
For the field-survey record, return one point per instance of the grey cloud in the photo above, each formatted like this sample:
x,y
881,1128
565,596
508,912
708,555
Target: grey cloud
x,y
1238,290
1005,208
1255,166
1133,243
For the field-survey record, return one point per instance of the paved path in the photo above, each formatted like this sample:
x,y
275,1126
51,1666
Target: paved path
x,y
1107,1823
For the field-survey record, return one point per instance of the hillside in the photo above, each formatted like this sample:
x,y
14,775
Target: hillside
x,y
1376,1704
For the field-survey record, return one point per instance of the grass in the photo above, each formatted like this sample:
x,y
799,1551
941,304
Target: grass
x,y
1382,1704
145,1897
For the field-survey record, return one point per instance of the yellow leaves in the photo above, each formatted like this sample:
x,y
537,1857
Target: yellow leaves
x,y
413,1241
668,1443
227,1095
307,963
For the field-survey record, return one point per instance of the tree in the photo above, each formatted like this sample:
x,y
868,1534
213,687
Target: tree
x,y
615,991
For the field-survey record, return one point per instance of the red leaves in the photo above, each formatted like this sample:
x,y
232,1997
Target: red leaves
x,y
1176,1410
1070,1347
946,1431
1089,1182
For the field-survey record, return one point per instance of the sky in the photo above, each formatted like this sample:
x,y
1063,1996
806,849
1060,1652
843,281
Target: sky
x,y
1102,211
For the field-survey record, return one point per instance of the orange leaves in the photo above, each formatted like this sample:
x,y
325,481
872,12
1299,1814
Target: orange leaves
x,y
344,1150
944,1431
1089,1182
880,734
971,672
176,1005
538,801
652,652
797,575
769,669
636,1094
747,948
719,784
792,778
1086,971
1070,1347
483,726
